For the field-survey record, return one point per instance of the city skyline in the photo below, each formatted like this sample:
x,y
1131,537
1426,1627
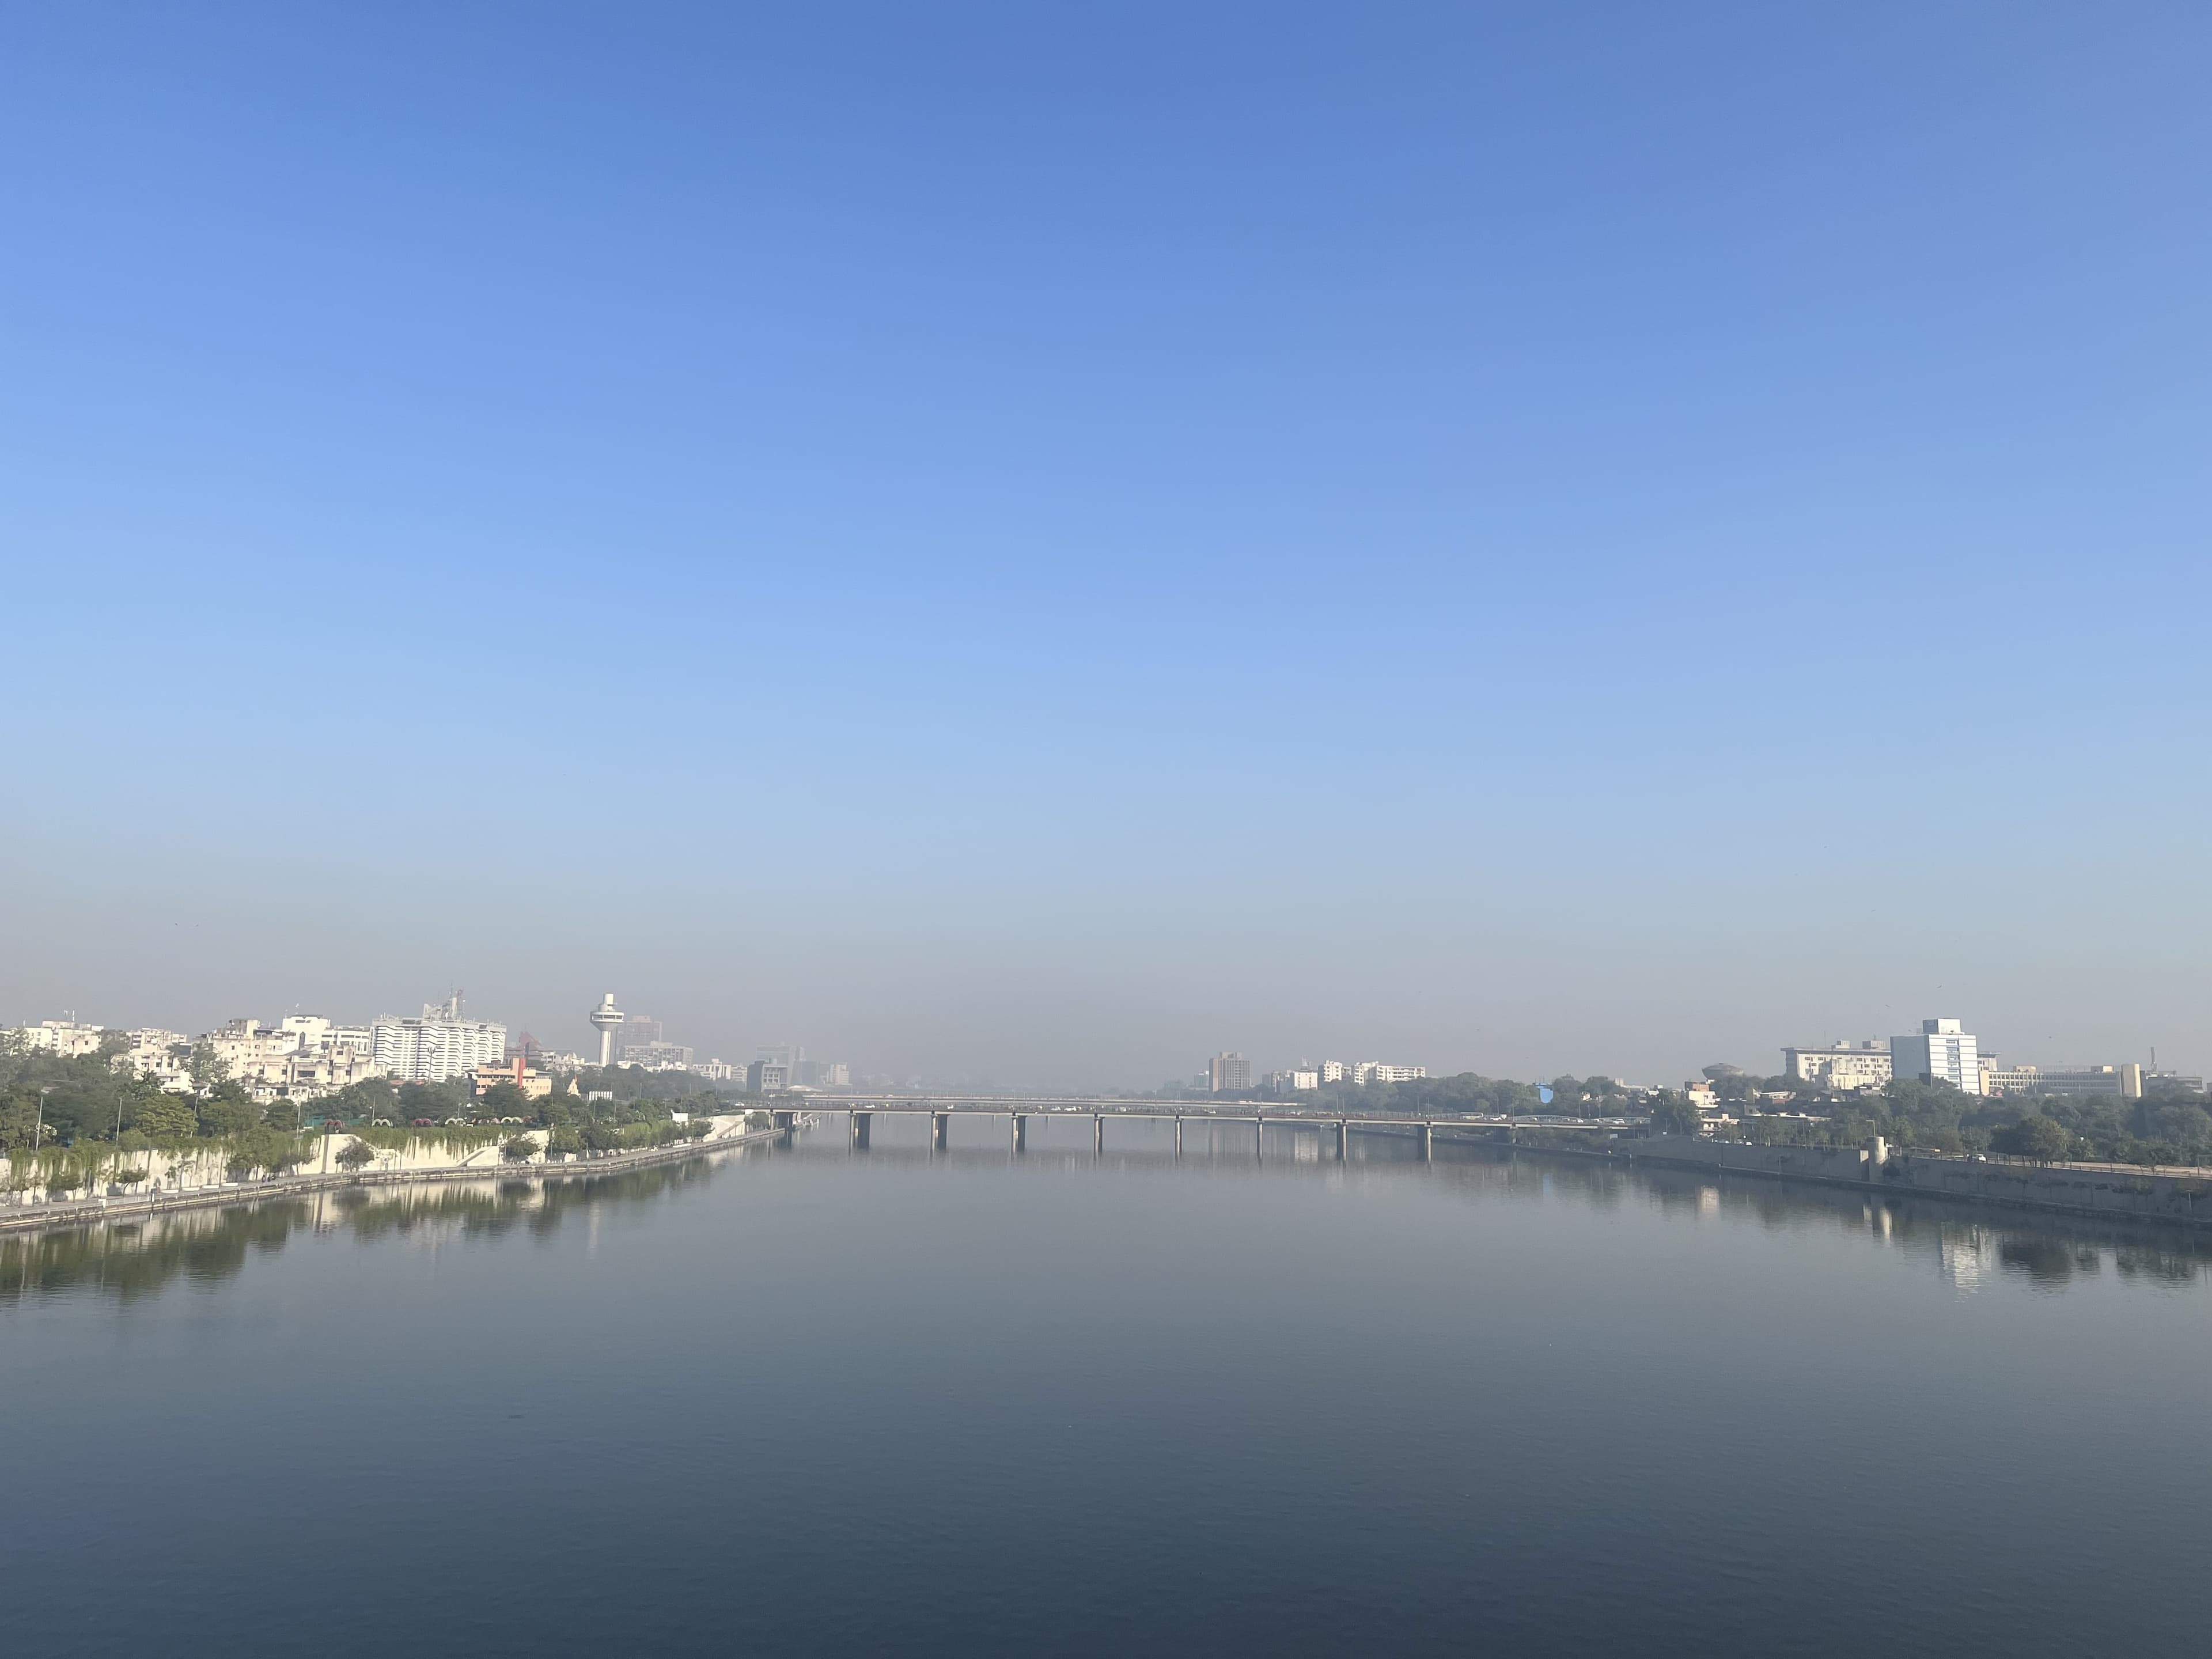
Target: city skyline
x,y
636,1038
1060,544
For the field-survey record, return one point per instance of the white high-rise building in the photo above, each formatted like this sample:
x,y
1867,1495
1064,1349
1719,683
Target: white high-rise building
x,y
435,1047
1939,1052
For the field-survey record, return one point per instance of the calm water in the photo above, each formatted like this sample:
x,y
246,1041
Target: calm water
x,y
812,1401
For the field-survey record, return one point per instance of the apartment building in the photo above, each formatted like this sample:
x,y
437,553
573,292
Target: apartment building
x,y
435,1046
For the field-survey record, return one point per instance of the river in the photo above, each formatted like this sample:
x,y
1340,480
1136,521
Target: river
x,y
810,1400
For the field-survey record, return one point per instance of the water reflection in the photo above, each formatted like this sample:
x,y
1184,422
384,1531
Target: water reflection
x,y
138,1256
1969,1247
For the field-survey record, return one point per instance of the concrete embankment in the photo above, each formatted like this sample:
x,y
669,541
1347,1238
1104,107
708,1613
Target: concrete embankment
x,y
2106,1191
728,1135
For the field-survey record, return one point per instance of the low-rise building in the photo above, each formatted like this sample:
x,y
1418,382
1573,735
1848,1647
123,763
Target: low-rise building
x,y
1376,1070
2124,1081
535,1085
1866,1065
1296,1081
311,1074
253,1055
165,1056
302,1057
767,1077
655,1056
65,1037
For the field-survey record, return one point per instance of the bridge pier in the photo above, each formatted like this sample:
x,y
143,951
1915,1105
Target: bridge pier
x,y
1178,1134
860,1122
1428,1143
1021,1132
1258,1139
1097,1133
940,1130
1343,1140
783,1120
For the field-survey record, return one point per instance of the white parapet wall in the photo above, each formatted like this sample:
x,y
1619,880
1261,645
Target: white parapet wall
x,y
192,1168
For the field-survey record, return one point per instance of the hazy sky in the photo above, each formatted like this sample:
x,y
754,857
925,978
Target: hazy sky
x,y
1042,542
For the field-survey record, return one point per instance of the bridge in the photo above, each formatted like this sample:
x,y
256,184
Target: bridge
x,y
860,1115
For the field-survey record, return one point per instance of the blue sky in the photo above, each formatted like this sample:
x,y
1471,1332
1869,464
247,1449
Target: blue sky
x,y
1039,543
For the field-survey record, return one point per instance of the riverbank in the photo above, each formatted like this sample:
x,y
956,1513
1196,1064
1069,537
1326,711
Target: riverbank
x,y
2102,1192
69,1212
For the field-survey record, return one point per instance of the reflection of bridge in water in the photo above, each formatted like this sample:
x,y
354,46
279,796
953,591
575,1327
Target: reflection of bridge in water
x,y
1338,1127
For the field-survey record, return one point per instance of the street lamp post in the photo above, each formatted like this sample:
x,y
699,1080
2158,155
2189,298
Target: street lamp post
x,y
39,1130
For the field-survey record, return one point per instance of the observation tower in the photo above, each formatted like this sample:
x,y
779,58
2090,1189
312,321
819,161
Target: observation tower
x,y
606,1017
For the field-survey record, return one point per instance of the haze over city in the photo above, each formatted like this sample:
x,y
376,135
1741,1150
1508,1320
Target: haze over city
x,y
1042,545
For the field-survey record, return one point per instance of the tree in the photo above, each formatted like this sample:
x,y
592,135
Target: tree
x,y
551,1111
168,1120
354,1155
2034,1136
503,1100
371,1098
264,1149
207,1070
1675,1117
435,1101
228,1112
519,1149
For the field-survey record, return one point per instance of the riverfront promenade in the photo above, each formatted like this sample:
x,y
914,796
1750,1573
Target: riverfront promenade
x,y
75,1212
2104,1192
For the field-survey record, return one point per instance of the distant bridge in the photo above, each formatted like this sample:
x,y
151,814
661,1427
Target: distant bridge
x,y
860,1115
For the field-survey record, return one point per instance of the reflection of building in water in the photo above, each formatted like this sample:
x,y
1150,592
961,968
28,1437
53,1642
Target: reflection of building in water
x,y
1709,1200
218,1242
1964,1254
